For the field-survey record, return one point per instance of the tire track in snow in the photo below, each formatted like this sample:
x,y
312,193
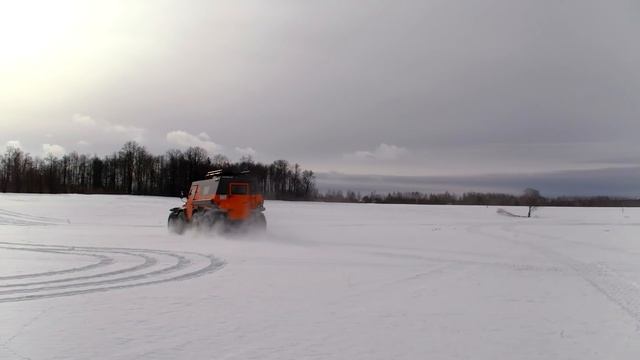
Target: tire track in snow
x,y
479,260
182,263
602,278
148,262
158,267
103,261
15,218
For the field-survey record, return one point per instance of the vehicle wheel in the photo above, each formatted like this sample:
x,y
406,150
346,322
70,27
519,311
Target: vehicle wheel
x,y
207,220
199,220
177,223
219,224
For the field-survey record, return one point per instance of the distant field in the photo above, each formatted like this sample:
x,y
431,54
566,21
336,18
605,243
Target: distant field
x,y
88,277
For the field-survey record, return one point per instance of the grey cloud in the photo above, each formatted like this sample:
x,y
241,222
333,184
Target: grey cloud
x,y
470,87
183,139
382,152
605,181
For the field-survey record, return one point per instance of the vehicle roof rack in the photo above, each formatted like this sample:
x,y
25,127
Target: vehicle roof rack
x,y
221,172
213,173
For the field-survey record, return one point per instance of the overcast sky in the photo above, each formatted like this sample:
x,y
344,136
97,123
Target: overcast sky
x,y
415,88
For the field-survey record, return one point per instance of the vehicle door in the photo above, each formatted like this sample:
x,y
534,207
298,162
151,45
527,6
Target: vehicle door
x,y
193,195
239,200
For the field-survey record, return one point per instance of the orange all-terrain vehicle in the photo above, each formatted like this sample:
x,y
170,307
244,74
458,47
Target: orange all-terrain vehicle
x,y
224,200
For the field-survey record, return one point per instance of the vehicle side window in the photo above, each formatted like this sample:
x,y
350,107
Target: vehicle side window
x,y
239,189
193,190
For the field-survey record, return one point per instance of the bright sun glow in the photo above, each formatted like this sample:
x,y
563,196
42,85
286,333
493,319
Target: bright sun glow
x,y
31,29
49,47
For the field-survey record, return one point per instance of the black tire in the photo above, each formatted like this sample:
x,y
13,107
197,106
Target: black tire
x,y
177,223
199,221
206,220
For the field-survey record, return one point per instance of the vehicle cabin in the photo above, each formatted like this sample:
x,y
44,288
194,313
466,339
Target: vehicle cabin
x,y
236,195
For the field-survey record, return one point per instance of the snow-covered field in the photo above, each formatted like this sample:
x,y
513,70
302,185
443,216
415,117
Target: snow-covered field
x,y
99,277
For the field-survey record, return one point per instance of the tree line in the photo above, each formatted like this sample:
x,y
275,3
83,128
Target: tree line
x,y
529,197
134,170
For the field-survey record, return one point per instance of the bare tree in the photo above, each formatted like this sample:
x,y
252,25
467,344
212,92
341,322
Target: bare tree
x,y
531,198
133,170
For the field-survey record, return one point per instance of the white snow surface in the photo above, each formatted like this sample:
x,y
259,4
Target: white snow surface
x,y
99,277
